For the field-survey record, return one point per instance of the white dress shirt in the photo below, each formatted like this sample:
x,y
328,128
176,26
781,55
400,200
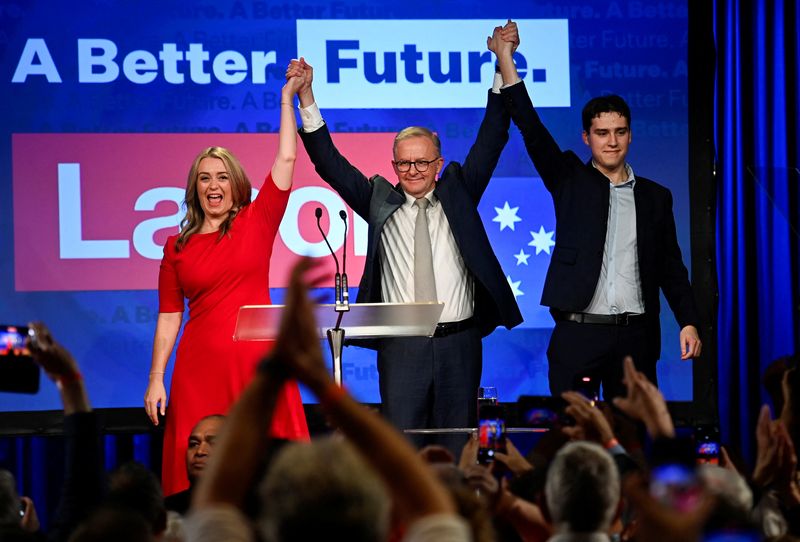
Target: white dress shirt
x,y
454,284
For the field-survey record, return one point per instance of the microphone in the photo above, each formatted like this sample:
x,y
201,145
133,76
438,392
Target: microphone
x,y
345,289
338,277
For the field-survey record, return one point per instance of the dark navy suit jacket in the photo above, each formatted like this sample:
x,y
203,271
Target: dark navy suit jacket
x,y
459,190
580,197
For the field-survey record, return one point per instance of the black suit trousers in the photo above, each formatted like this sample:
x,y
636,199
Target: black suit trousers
x,y
598,351
431,382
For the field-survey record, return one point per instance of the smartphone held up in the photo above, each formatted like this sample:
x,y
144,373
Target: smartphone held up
x,y
18,372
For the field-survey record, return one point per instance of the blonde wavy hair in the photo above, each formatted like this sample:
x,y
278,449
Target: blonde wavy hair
x,y
240,193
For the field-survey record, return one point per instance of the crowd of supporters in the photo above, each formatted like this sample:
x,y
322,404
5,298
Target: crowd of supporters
x,y
618,471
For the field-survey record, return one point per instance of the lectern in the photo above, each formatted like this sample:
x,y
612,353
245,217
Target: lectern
x,y
362,321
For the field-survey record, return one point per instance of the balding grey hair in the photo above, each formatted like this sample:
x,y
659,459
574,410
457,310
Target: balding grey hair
x,y
323,490
582,488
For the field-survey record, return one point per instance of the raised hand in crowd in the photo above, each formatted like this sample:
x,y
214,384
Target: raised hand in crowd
x,y
790,388
84,478
726,462
297,349
297,354
30,519
513,460
479,477
436,453
12,526
59,365
658,522
416,491
524,517
776,460
643,401
244,440
591,422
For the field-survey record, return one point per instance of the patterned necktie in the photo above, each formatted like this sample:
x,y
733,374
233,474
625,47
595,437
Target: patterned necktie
x,y
424,281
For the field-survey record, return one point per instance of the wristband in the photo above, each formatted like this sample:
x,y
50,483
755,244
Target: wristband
x,y
66,380
611,443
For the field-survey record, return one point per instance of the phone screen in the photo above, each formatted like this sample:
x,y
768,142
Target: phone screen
x,y
587,386
708,452
12,341
491,439
541,411
18,372
733,536
706,439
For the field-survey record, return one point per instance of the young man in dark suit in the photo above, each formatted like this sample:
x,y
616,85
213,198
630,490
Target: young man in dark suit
x,y
616,247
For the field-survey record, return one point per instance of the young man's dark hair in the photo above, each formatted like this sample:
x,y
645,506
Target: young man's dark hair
x,y
610,103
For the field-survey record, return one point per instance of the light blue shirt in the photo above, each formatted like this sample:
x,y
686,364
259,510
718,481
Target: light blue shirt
x,y
618,288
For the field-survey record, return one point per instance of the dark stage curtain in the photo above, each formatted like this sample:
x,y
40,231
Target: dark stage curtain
x,y
756,120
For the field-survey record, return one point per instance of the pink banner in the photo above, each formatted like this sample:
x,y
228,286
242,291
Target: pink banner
x,y
92,211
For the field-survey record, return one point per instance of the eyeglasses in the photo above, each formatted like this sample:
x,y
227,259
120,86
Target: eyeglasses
x,y
404,166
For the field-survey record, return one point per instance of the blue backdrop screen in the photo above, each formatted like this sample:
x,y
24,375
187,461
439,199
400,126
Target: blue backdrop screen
x,y
106,103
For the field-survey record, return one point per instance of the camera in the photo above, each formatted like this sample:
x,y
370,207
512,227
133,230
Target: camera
x,y
18,372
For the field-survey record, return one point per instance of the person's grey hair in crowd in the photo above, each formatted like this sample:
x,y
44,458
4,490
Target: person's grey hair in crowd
x,y
322,490
582,488
9,500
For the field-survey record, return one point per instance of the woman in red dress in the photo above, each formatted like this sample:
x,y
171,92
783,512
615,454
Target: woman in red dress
x,y
219,261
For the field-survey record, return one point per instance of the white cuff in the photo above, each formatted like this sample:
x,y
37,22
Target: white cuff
x,y
311,117
512,84
497,82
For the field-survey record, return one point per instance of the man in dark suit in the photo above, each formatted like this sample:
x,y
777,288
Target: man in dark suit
x,y
616,246
426,243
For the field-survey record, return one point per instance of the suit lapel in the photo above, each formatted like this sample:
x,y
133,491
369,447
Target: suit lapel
x,y
386,200
642,211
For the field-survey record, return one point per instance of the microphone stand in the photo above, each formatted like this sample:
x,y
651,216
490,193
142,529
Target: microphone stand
x,y
341,302
345,290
